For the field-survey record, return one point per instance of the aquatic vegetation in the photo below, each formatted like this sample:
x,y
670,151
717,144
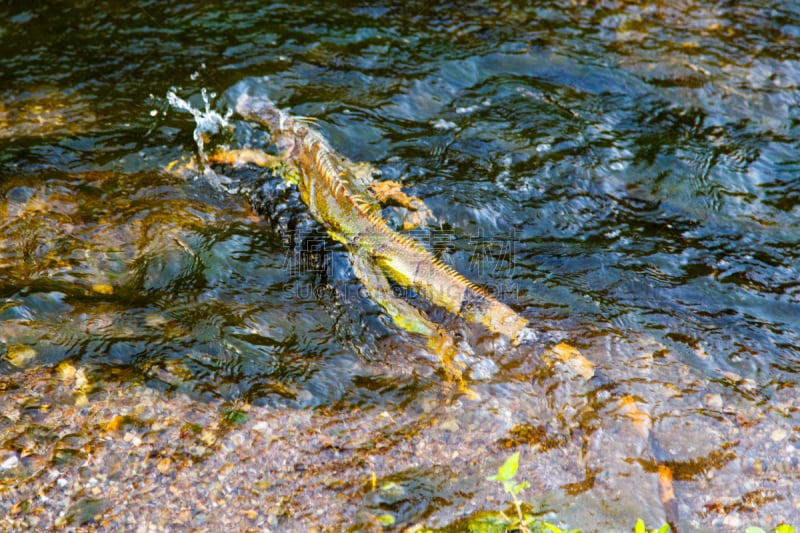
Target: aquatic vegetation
x,y
782,528
641,528
526,523
505,475
520,521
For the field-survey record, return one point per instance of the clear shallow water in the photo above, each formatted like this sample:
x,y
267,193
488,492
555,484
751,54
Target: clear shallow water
x,y
625,176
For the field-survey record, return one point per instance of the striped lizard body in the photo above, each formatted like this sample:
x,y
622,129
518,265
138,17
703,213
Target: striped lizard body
x,y
342,198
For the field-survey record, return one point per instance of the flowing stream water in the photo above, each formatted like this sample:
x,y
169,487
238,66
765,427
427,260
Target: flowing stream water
x,y
183,347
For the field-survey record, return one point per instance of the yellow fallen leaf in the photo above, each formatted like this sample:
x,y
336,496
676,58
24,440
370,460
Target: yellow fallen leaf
x,y
208,437
640,419
102,288
118,422
666,490
574,359
164,465
65,371
81,381
20,355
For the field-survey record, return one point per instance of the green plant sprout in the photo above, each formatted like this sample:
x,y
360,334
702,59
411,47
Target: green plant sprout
x,y
527,524
782,528
640,528
523,522
505,475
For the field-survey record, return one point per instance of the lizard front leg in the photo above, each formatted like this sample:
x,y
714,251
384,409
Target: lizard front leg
x,y
245,156
223,156
390,192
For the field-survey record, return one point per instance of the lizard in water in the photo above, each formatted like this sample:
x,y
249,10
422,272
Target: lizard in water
x,y
342,196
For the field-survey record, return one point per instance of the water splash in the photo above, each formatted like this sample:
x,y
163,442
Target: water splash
x,y
208,122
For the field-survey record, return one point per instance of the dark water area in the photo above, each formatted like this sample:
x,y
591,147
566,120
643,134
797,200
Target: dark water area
x,y
624,175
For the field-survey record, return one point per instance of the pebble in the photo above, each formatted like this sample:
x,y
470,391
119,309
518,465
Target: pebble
x,y
713,401
132,438
778,434
450,425
262,427
175,446
233,441
732,521
11,462
164,465
208,437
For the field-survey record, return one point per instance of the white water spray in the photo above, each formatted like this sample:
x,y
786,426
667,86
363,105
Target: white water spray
x,y
208,122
